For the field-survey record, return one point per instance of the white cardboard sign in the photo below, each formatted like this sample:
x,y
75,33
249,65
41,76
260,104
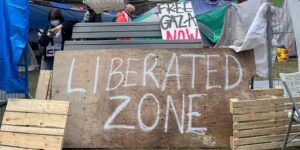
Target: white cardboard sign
x,y
178,22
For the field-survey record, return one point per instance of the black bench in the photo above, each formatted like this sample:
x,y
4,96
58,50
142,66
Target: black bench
x,y
89,36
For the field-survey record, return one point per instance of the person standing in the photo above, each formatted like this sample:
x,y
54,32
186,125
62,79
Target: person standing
x,y
126,14
54,36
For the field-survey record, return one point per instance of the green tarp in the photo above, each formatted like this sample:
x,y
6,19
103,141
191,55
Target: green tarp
x,y
211,23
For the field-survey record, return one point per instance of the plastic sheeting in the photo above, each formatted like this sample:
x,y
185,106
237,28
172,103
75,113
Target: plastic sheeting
x,y
13,36
204,6
294,6
246,29
211,23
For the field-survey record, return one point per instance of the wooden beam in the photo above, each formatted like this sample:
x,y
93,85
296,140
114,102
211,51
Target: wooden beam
x,y
32,130
34,119
260,116
38,106
30,140
264,131
260,124
43,84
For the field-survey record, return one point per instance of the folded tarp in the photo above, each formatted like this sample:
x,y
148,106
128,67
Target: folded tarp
x,y
14,37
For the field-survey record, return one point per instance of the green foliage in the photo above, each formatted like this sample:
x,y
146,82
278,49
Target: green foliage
x,y
277,3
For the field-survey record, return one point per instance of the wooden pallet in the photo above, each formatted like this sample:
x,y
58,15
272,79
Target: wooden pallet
x,y
34,124
261,123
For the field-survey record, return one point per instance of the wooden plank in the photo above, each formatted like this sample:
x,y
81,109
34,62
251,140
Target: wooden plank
x,y
260,116
262,102
48,97
38,106
265,93
100,35
89,29
32,130
264,131
30,140
34,119
260,124
77,79
43,84
125,42
272,145
261,109
109,24
136,46
260,139
231,142
12,148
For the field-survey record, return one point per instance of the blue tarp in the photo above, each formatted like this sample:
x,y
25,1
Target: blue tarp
x,y
203,6
39,14
14,16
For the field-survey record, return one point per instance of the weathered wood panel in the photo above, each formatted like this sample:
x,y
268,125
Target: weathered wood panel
x,y
186,96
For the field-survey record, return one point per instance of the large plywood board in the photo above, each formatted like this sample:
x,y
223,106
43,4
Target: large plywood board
x,y
150,98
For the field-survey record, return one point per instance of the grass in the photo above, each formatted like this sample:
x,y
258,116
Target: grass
x,y
277,3
282,67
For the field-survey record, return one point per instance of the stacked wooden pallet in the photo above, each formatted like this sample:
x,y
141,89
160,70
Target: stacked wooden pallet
x,y
261,123
34,124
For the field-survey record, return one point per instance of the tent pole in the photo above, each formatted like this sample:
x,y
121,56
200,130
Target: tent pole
x,y
269,38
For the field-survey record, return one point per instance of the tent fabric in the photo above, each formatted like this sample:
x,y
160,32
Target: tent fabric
x,y
294,6
13,37
245,29
211,23
149,16
39,15
204,6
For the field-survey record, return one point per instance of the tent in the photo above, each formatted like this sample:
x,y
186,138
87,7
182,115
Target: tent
x,y
39,14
